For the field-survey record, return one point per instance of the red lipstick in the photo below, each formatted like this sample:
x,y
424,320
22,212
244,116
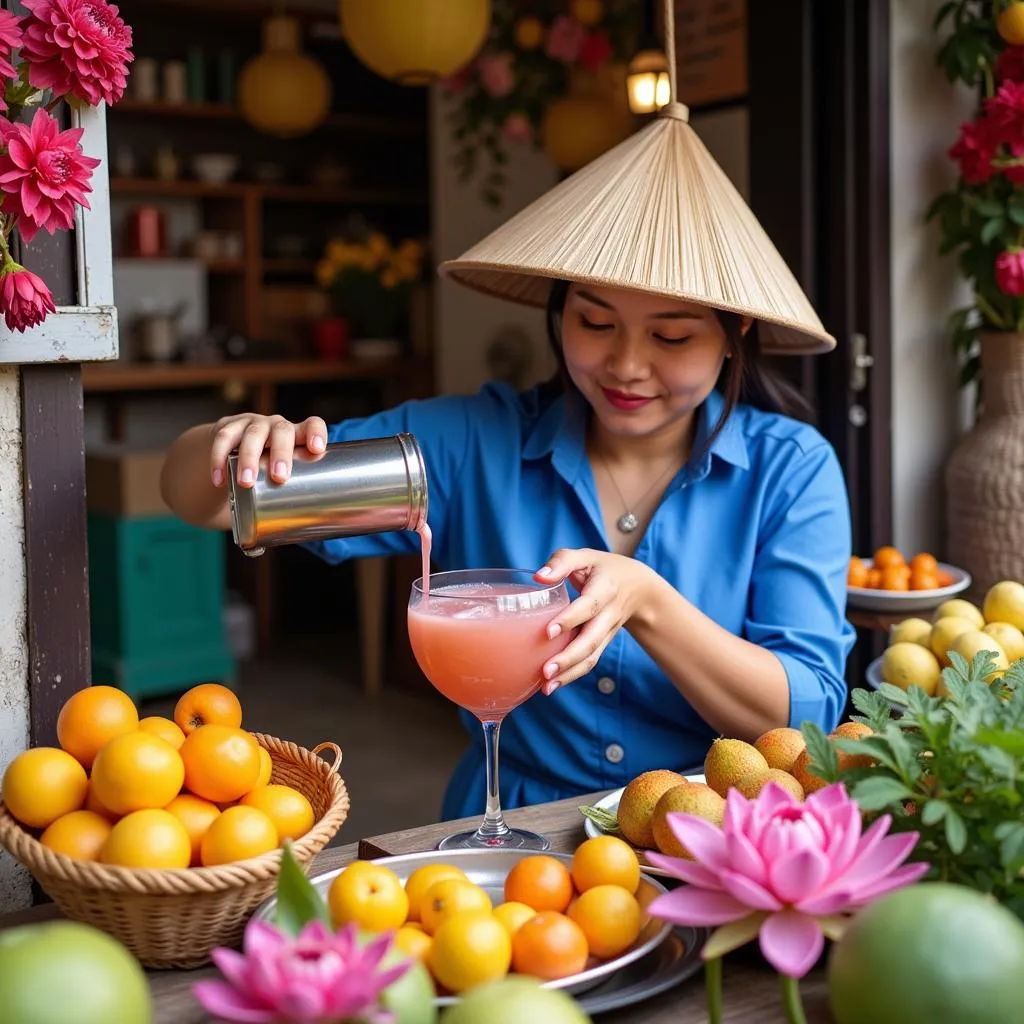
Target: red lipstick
x,y
625,401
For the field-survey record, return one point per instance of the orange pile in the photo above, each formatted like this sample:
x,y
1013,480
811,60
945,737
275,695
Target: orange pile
x,y
555,919
889,570
154,793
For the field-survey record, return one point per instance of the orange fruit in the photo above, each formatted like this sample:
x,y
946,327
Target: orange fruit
x,y
887,557
91,718
469,950
924,579
412,941
1010,24
857,573
448,898
540,882
605,860
206,704
137,771
896,577
513,915
222,762
549,946
369,894
152,838
874,578
80,834
164,728
42,785
93,803
610,918
237,834
197,816
422,879
924,561
266,768
291,813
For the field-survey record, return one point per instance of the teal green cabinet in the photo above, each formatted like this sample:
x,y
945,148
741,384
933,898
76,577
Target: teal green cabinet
x,y
156,594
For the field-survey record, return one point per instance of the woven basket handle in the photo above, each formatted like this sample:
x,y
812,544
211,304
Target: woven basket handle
x,y
335,750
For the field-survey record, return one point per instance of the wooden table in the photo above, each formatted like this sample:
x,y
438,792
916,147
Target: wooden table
x,y
751,988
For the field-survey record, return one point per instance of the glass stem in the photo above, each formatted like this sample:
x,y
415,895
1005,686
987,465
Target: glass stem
x,y
493,824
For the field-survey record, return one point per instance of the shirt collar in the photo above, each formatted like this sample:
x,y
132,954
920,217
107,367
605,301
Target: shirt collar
x,y
561,433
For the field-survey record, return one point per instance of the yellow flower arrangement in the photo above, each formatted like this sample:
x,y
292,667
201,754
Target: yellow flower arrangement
x,y
371,281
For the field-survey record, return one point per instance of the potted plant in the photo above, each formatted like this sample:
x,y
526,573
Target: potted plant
x,y
981,221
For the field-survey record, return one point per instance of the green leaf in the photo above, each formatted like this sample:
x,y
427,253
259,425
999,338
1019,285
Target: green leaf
x,y
606,821
895,695
991,229
298,900
933,812
956,832
822,758
1011,742
1011,849
878,792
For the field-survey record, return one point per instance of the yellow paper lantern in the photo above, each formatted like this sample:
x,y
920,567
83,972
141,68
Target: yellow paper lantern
x,y
283,91
415,42
588,121
648,82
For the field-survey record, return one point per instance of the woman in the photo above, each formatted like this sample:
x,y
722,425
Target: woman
x,y
705,529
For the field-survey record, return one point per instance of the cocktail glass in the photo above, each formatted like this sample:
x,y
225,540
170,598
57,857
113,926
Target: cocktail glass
x,y
480,637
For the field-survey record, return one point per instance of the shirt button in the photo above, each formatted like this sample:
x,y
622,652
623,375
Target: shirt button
x,y
606,685
614,753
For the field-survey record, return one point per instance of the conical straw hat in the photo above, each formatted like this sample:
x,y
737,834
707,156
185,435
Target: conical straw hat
x,y
655,214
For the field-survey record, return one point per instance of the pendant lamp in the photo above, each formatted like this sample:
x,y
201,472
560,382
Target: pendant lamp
x,y
647,78
415,42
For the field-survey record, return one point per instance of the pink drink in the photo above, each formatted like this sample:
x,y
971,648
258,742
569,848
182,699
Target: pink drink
x,y
485,647
426,538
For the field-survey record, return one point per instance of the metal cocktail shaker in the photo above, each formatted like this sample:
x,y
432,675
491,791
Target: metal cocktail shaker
x,y
351,489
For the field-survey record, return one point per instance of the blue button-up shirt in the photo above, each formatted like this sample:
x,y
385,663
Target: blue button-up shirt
x,y
754,531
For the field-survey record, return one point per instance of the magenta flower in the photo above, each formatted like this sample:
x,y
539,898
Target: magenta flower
x,y
80,48
1010,272
782,870
975,150
24,298
43,174
10,40
317,978
565,39
496,75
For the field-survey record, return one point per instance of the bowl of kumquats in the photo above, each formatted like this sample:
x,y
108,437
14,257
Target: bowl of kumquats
x,y
888,582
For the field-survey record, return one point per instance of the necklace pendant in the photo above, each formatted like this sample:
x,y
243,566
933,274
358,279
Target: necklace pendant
x,y
627,522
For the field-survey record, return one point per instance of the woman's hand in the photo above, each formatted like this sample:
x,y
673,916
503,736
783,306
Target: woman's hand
x,y
251,434
611,588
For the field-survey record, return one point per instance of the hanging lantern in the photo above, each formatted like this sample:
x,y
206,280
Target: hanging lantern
x,y
283,91
589,120
647,81
415,42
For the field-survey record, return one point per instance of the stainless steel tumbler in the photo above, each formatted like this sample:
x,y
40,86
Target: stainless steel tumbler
x,y
351,489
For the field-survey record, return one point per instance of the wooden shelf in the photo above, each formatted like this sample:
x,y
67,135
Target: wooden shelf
x,y
288,265
211,266
100,378
182,189
376,125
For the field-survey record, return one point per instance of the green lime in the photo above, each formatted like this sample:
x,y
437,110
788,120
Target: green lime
x,y
929,954
513,1000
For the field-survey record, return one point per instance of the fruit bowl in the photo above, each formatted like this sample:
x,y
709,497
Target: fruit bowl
x,y
873,599
488,869
174,917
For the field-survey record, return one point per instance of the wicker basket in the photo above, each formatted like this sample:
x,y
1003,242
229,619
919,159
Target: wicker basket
x,y
173,918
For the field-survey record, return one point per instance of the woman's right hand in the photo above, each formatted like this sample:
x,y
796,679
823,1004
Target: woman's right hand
x,y
251,434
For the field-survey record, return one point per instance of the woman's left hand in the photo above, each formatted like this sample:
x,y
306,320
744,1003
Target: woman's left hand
x,y
611,588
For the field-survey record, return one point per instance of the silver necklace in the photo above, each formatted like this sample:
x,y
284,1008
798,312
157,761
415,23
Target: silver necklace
x,y
629,520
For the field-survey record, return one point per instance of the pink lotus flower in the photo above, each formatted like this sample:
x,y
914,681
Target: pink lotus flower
x,y
782,870
517,128
24,298
317,978
565,39
496,75
43,174
10,40
1010,272
80,48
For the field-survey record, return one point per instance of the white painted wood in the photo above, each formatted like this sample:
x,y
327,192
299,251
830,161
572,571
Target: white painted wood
x,y
86,332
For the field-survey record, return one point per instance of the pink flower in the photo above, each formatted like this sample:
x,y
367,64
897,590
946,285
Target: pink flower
x,y
43,174
80,48
1010,64
596,49
1006,112
565,39
10,40
517,128
783,870
975,150
1010,272
24,298
316,978
496,75
455,83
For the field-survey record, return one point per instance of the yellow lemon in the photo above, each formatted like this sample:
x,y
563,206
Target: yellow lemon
x,y
449,898
973,642
369,894
957,608
1005,603
413,941
423,878
908,664
912,631
944,632
1010,638
513,915
469,950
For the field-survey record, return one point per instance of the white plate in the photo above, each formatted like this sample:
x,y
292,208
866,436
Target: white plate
x,y
488,869
873,675
610,803
871,599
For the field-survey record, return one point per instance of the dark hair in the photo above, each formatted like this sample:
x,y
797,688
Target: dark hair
x,y
746,377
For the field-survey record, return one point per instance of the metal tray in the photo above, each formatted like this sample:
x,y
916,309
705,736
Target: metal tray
x,y
488,869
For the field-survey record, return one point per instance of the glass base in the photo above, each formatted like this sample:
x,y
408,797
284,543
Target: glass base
x,y
513,839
